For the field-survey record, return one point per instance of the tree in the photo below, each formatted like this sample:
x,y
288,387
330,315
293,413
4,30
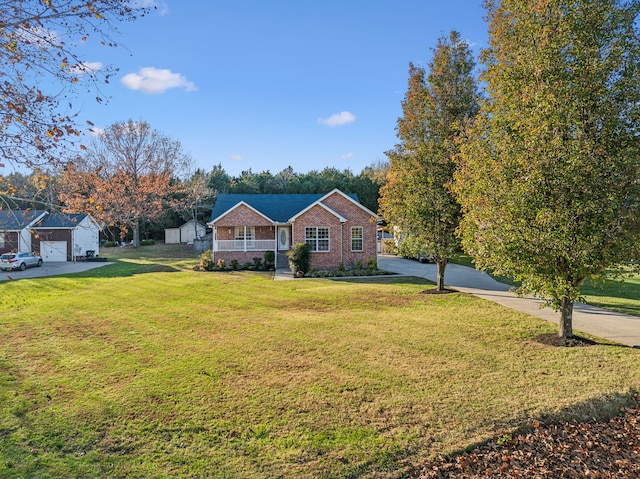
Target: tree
x,y
548,177
416,198
40,43
194,195
125,176
219,180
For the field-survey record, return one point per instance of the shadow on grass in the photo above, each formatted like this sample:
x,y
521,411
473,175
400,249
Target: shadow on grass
x,y
121,269
625,308
601,409
384,279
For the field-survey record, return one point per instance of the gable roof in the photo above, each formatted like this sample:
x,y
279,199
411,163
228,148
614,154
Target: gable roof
x,y
321,205
61,220
279,208
319,202
16,220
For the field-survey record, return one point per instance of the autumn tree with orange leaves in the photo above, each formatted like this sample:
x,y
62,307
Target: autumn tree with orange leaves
x,y
128,174
41,69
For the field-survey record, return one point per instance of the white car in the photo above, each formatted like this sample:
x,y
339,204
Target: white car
x,y
21,261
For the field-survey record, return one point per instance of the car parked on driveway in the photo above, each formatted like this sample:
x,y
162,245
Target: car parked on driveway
x,y
21,261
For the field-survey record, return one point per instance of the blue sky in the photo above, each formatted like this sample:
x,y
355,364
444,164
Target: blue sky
x,y
269,84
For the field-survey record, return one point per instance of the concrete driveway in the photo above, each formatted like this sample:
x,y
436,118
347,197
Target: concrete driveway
x,y
50,269
622,328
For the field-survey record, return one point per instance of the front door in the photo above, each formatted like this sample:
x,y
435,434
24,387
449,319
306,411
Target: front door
x,y
283,238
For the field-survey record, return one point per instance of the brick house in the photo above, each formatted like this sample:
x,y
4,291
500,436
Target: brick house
x,y
336,225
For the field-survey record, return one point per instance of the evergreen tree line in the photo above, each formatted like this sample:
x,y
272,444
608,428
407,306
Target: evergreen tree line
x,y
43,190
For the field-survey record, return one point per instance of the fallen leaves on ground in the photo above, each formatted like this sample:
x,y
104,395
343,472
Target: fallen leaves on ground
x,y
594,449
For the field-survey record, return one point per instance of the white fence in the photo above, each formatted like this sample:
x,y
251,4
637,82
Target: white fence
x,y
244,245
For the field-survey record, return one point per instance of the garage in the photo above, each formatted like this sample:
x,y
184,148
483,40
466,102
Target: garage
x,y
53,250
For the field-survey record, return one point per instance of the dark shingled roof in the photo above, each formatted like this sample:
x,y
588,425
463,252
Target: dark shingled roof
x,y
61,220
18,220
278,207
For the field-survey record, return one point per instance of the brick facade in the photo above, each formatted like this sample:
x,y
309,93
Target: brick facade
x,y
243,216
315,216
339,233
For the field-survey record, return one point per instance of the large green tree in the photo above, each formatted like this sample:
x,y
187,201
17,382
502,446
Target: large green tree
x,y
436,107
548,178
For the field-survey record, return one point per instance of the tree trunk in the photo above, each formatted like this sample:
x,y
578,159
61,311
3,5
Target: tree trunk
x,y
442,265
136,233
566,318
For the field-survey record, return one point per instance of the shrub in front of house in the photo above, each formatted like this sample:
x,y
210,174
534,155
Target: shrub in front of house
x,y
206,262
300,259
372,263
269,259
336,273
147,242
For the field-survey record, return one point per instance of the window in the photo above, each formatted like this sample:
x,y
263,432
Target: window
x,y
1,240
317,238
241,230
244,237
356,238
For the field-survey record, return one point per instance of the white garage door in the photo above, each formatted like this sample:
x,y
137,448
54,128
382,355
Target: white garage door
x,y
53,250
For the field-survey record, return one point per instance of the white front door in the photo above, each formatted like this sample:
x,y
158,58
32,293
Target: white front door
x,y
283,238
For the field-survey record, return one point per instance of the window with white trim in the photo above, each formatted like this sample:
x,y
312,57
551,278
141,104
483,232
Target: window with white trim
x,y
317,237
1,240
356,238
242,231
244,237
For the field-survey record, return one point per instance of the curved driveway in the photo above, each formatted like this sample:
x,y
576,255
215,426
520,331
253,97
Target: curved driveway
x,y
622,328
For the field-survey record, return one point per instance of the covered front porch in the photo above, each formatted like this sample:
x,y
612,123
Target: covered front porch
x,y
244,243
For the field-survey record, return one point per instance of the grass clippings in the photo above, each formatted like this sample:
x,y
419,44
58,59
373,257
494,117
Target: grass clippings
x,y
607,449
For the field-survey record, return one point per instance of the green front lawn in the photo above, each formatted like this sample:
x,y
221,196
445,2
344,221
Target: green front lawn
x,y
146,368
622,294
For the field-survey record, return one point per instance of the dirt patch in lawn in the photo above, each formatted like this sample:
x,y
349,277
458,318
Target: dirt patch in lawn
x,y
439,291
552,339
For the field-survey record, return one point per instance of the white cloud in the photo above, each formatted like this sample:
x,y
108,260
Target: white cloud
x,y
96,131
236,157
338,119
87,67
346,156
156,80
38,36
161,8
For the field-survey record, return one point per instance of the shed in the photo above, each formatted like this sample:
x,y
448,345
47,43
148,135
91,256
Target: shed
x,y
172,235
191,230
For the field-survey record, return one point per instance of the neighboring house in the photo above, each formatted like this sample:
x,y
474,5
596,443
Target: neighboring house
x,y
338,228
57,236
185,233
15,229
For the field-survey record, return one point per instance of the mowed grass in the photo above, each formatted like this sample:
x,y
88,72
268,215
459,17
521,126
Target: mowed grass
x,y
146,368
620,294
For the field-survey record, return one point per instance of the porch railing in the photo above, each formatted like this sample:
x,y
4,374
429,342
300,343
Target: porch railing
x,y
244,245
